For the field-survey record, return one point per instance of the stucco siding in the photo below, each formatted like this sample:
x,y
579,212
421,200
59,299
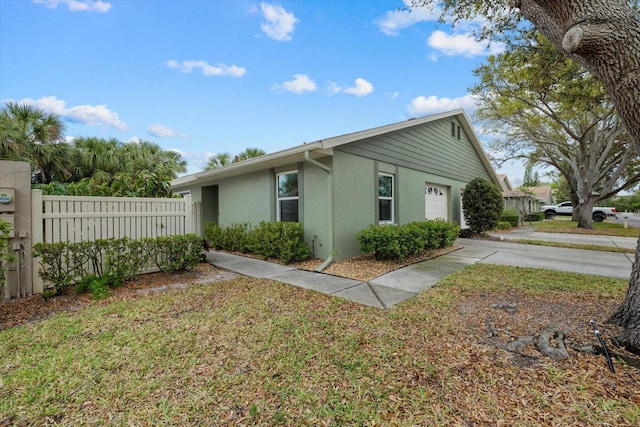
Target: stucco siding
x,y
428,148
354,202
245,198
316,209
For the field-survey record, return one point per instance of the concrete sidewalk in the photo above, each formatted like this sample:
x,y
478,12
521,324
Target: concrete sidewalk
x,y
405,283
582,239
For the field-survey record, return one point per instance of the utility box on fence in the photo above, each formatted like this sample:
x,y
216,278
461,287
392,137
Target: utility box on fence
x,y
15,208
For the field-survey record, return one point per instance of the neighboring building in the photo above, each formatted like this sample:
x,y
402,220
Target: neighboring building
x,y
505,185
524,199
393,174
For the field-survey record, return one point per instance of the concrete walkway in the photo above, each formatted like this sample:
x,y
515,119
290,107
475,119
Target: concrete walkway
x,y
405,283
582,239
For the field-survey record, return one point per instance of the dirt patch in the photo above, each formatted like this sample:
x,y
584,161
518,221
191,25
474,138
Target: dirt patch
x,y
499,318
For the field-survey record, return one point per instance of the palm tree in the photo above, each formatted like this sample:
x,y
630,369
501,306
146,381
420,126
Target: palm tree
x,y
218,161
9,136
250,153
30,134
97,158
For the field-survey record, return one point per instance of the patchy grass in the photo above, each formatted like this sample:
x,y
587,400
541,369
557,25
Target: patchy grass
x,y
605,228
255,352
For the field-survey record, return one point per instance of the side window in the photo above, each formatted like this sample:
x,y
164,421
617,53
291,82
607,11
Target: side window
x,y
287,196
385,198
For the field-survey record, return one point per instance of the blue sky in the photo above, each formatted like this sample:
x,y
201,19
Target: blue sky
x,y
208,76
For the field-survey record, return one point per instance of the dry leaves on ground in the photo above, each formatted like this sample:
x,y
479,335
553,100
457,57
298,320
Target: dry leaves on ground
x,y
366,267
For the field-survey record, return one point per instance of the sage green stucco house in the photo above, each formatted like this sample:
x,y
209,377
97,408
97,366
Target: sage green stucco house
x,y
398,173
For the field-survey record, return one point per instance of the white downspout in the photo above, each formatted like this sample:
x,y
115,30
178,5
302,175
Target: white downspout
x,y
329,171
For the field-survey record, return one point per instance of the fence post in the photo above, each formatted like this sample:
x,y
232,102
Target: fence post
x,y
188,214
37,233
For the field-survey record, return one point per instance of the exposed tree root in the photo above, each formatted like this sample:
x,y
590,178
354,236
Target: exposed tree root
x,y
544,343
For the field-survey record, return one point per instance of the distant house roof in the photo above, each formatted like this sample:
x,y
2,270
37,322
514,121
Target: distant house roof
x,y
543,193
324,147
504,182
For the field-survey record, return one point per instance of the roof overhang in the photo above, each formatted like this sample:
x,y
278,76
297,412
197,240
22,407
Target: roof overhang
x,y
324,147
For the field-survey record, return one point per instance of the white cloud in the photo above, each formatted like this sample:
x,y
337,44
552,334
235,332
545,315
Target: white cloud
x,y
163,131
92,115
396,20
207,70
461,44
278,24
78,5
422,106
300,83
361,88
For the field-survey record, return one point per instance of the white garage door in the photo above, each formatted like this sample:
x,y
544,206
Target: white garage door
x,y
435,202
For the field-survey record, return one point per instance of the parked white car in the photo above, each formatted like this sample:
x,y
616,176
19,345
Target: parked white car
x,y
566,209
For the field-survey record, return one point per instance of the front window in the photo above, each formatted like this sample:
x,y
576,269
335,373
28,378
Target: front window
x,y
287,196
385,198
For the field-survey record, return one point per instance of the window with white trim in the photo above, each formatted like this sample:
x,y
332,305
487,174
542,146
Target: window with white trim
x,y
385,198
287,196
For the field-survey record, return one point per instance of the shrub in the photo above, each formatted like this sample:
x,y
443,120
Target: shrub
x,y
235,237
113,261
212,234
382,241
279,240
97,286
275,240
503,225
397,242
178,253
535,216
511,216
482,203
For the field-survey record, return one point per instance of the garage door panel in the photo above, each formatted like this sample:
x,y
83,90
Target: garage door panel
x,y
435,202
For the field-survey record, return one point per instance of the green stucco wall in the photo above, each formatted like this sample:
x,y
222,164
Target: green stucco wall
x,y
315,219
354,200
245,198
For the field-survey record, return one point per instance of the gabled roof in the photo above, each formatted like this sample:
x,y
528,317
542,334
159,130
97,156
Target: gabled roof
x,y
542,193
324,147
504,182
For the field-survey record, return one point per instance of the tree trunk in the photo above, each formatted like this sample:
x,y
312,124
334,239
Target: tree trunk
x,y
583,214
603,36
628,314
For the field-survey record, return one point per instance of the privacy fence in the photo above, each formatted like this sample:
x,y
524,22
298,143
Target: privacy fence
x,y
81,219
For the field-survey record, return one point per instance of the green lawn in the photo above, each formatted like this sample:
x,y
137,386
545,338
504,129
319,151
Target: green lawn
x,y
255,352
600,228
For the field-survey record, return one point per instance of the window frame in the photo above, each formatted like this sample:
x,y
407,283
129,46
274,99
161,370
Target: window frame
x,y
391,198
280,199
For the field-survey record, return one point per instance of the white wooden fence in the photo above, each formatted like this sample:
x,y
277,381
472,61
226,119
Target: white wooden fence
x,y
79,219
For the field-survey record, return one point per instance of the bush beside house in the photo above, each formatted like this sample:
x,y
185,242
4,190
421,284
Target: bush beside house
x,y
387,242
269,240
482,205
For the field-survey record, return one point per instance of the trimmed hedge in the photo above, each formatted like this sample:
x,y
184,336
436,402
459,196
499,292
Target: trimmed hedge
x,y
397,242
269,240
114,261
536,216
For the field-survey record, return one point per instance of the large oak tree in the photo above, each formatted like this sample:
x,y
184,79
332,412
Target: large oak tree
x,y
546,108
604,37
